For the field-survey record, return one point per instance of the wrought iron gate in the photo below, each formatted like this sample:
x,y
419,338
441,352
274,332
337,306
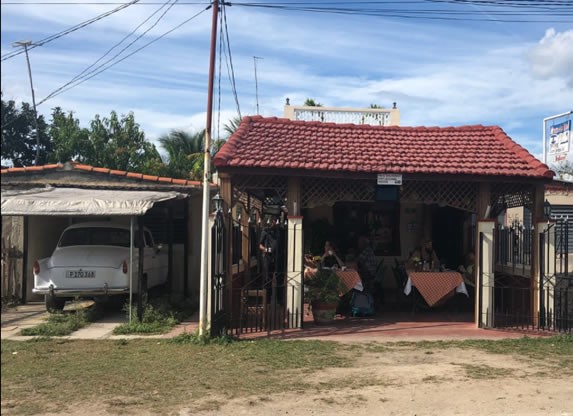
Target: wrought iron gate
x,y
512,299
249,285
219,312
556,277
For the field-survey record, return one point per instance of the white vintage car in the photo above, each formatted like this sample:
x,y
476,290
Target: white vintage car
x,y
92,261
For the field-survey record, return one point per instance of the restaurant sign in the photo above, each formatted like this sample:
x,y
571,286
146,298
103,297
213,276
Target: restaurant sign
x,y
389,179
559,137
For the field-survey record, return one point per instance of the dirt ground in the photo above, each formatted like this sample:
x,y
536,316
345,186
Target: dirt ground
x,y
405,381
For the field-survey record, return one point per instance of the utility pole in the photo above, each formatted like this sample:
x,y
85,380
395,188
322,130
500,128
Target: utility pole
x,y
203,312
25,44
256,81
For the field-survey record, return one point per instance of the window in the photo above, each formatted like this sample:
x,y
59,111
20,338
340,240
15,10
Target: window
x,y
563,215
95,236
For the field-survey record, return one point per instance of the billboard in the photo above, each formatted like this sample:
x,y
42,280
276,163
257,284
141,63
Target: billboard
x,y
557,137
559,140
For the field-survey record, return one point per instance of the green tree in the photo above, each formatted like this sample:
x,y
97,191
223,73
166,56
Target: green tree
x,y
118,143
69,140
184,154
19,136
310,102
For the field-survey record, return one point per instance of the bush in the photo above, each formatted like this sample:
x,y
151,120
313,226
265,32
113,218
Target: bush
x,y
323,287
159,316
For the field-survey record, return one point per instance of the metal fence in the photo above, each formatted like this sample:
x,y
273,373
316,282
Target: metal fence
x,y
513,300
255,298
513,246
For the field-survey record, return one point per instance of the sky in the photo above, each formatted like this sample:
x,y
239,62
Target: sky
x,y
439,72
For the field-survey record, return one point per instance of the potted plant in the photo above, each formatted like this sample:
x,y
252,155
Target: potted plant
x,y
323,294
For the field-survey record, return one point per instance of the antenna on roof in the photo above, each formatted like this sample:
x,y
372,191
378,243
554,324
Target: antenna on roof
x,y
256,81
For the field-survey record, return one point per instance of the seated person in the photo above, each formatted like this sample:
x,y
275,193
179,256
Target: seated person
x,y
310,266
467,271
425,254
367,263
330,259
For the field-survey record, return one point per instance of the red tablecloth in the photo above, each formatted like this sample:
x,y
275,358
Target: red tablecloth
x,y
350,279
434,286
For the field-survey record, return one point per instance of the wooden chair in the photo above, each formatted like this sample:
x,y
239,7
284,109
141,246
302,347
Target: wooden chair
x,y
254,308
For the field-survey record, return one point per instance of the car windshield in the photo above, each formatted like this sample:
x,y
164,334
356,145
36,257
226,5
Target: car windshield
x,y
95,236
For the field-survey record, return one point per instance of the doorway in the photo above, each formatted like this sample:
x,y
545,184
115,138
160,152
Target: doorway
x,y
448,235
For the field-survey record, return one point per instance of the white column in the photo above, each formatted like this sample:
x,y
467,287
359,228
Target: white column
x,y
209,293
547,260
294,271
485,274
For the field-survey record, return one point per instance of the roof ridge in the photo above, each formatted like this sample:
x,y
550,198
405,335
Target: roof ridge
x,y
285,120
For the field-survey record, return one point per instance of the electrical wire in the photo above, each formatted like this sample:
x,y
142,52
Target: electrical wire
x,y
230,68
83,73
451,15
130,54
68,31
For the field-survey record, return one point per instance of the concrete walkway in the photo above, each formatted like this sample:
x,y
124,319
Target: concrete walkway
x,y
385,328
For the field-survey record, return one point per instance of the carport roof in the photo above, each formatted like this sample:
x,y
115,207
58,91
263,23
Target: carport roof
x,y
111,173
80,202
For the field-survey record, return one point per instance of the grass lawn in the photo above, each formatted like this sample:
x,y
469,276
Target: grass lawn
x,y
50,375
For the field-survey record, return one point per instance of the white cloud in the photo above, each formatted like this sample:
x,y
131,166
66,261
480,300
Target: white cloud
x,y
552,56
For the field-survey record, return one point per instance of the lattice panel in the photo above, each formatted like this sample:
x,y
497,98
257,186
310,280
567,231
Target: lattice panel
x,y
326,191
461,195
261,189
511,195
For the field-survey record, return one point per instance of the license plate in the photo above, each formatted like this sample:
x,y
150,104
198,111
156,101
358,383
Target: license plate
x,y
80,274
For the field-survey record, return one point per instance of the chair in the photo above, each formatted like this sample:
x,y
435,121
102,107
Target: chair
x,y
399,273
378,278
254,308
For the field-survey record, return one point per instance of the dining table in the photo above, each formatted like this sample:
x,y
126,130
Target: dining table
x,y
350,279
435,286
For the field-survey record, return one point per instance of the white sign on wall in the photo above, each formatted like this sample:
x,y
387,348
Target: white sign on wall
x,y
389,179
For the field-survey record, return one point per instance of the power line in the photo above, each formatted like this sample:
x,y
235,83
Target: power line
x,y
81,75
81,81
230,62
69,30
420,14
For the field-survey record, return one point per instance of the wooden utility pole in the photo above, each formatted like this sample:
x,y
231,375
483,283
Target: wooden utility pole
x,y
203,313
25,44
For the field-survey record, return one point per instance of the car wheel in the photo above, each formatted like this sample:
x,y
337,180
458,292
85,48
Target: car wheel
x,y
54,304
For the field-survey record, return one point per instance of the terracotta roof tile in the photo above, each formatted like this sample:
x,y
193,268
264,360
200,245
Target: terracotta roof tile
x,y
272,142
88,168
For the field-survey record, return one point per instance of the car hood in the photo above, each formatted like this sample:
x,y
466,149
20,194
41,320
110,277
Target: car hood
x,y
86,256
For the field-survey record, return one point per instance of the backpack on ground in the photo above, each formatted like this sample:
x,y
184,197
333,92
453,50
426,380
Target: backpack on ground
x,y
362,304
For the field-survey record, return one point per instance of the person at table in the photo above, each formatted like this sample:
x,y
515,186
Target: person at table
x,y
424,254
367,263
330,258
467,270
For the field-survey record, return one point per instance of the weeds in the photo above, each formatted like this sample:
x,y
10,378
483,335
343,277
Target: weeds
x,y
159,316
61,324
195,339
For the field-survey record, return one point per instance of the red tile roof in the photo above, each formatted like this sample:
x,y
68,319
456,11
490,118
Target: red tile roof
x,y
261,142
70,166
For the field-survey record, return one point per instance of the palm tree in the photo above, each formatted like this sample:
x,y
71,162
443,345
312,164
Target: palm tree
x,y
232,125
184,153
309,102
